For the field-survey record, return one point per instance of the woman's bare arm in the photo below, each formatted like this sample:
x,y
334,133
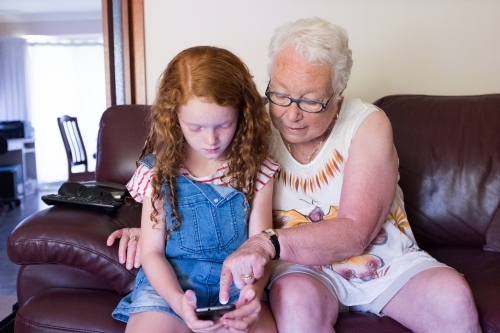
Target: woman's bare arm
x,y
369,186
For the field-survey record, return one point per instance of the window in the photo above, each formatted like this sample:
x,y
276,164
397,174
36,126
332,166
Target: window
x,y
66,76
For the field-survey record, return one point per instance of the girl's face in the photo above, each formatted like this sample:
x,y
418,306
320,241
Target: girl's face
x,y
207,127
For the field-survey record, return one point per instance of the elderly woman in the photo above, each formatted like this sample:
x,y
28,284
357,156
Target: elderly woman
x,y
341,231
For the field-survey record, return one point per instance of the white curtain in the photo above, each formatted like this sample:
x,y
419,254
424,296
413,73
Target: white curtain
x,y
66,78
13,85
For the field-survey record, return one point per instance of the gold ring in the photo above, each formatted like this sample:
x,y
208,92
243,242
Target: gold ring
x,y
247,276
133,238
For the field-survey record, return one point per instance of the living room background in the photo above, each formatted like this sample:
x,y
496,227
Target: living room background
x,y
424,47
65,72
66,77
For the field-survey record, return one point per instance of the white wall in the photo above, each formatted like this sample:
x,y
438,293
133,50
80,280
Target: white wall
x,y
440,47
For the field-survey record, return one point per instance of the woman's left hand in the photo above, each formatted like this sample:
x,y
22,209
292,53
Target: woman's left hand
x,y
129,249
246,314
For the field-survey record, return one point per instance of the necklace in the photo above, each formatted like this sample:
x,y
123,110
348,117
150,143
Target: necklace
x,y
318,146
315,150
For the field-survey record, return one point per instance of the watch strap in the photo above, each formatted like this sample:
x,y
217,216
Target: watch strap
x,y
274,240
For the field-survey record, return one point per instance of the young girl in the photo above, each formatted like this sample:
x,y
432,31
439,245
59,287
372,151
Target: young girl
x,y
205,181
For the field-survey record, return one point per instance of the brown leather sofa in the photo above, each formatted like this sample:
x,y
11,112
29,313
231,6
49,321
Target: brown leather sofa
x,y
449,151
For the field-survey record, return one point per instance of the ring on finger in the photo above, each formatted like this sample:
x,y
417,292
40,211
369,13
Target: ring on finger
x,y
133,238
247,276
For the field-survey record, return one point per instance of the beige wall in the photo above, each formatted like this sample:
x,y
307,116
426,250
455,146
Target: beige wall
x,y
441,47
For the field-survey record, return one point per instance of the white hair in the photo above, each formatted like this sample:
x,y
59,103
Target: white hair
x,y
319,43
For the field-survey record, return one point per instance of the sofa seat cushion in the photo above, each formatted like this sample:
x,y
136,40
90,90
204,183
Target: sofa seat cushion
x,y
33,279
358,322
69,310
481,269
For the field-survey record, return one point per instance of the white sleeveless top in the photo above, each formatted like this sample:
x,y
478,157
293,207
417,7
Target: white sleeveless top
x,y
308,193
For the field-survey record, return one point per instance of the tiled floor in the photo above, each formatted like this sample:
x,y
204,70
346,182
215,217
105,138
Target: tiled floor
x,y
9,219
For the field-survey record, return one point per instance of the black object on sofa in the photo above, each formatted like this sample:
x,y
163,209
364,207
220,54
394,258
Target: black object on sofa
x,y
449,150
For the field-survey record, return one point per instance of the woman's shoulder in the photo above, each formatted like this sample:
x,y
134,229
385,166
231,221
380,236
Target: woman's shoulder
x,y
353,112
358,104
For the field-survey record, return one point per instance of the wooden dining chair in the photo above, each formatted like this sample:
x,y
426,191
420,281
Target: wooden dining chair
x,y
75,149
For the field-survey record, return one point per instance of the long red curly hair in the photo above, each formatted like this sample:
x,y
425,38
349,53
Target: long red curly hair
x,y
220,77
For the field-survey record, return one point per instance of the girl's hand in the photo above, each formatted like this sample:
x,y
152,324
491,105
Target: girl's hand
x,y
247,311
129,249
188,304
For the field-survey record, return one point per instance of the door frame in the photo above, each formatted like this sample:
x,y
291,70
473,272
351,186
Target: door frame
x,y
124,51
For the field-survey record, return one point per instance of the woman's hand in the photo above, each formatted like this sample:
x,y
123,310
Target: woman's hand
x,y
129,249
248,260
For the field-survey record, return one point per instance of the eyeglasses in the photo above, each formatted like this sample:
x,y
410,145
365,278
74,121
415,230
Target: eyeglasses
x,y
305,105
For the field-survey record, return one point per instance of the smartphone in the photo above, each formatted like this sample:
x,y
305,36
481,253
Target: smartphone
x,y
213,312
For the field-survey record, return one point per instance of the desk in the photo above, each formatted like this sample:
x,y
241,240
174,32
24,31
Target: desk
x,y
22,151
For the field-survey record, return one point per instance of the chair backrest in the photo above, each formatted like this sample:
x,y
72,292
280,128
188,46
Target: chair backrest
x,y
73,144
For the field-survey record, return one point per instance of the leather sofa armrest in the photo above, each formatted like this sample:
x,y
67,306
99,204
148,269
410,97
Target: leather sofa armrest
x,y
76,238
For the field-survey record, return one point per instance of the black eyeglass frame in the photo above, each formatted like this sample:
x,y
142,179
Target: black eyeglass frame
x,y
297,101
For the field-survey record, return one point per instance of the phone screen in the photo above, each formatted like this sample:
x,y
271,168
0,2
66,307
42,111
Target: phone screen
x,y
213,312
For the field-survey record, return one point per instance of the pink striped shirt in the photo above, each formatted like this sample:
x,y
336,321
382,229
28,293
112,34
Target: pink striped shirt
x,y
139,185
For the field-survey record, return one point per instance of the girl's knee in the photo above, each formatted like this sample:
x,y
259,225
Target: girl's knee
x,y
160,322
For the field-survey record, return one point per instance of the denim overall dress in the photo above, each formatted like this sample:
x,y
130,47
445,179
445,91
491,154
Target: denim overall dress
x,y
214,224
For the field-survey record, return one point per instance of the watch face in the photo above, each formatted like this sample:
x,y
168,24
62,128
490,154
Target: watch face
x,y
270,232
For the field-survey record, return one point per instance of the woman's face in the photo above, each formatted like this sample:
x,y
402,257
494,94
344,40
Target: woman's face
x,y
294,77
208,128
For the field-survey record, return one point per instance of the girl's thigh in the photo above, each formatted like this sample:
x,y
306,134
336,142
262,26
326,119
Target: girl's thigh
x,y
153,321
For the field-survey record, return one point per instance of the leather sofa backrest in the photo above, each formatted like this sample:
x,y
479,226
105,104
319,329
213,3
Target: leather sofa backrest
x,y
123,130
449,164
